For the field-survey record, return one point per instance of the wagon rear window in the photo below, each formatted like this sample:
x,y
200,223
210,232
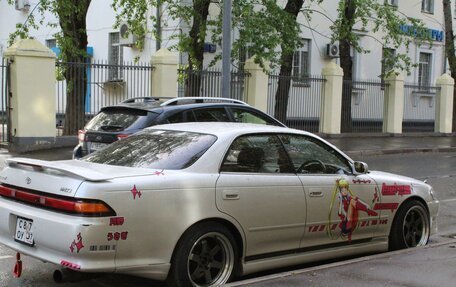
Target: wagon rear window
x,y
156,149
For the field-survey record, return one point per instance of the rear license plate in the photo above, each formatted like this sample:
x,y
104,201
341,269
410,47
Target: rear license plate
x,y
97,146
24,231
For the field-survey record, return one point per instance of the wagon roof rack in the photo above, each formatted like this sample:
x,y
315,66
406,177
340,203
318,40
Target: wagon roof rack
x,y
186,100
139,99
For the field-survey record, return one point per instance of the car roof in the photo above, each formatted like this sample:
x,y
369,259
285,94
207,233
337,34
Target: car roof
x,y
221,129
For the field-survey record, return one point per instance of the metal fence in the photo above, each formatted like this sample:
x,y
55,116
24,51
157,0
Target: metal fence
x,y
4,91
419,108
208,83
105,84
304,101
367,106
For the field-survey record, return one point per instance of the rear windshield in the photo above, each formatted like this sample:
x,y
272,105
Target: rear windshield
x,y
158,149
115,120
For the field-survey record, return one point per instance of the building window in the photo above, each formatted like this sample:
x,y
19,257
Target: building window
x,y
115,57
427,6
301,62
51,43
392,2
244,55
424,70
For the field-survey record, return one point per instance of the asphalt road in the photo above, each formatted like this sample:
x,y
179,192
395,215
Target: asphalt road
x,y
439,169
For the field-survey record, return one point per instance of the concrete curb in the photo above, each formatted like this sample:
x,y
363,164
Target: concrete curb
x,y
336,264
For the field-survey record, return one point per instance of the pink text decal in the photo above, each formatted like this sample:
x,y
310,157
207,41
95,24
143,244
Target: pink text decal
x,y
362,181
396,189
363,223
117,236
386,206
116,221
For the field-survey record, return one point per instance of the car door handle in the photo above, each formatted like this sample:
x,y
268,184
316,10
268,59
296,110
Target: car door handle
x,y
316,194
230,195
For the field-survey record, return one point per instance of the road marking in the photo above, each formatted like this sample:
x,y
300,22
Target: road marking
x,y
5,257
448,200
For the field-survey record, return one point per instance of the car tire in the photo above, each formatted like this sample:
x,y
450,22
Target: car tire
x,y
206,255
411,227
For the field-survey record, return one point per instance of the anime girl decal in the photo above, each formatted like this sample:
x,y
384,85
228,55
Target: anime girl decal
x,y
348,211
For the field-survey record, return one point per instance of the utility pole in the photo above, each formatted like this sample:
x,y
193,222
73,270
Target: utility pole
x,y
226,50
158,27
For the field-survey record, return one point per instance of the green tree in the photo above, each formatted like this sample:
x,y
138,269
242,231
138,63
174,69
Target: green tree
x,y
384,21
72,40
193,14
450,49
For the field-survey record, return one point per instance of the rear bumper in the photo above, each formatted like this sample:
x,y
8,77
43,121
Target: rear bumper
x,y
73,242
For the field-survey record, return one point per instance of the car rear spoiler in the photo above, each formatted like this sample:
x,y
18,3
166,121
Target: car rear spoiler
x,y
76,169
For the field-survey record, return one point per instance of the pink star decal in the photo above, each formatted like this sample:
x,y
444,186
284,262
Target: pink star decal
x,y
158,173
135,192
77,244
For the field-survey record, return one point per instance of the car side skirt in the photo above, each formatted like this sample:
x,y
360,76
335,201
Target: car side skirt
x,y
306,255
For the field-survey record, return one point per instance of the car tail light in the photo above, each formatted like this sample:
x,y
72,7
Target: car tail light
x,y
122,136
73,206
81,135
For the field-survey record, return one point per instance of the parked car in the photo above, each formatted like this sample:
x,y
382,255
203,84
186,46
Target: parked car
x,y
198,205
119,121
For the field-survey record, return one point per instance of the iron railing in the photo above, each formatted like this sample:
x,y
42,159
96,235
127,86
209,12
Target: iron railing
x,y
4,91
105,84
419,108
208,83
304,100
367,106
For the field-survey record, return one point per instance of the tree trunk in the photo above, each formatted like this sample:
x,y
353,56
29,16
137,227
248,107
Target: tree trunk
x,y
73,25
450,49
346,62
293,8
196,52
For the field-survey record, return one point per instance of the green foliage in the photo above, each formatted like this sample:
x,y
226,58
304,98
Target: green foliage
x,y
69,13
384,21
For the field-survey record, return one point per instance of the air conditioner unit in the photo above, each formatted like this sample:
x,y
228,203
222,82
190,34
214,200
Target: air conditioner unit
x,y
332,50
127,38
22,5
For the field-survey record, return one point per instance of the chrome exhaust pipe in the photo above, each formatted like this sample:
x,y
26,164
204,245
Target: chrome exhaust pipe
x,y
68,275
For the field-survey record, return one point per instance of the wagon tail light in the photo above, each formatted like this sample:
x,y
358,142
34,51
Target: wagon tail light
x,y
72,206
81,135
122,136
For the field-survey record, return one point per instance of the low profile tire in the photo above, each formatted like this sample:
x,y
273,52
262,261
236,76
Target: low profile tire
x,y
411,227
206,255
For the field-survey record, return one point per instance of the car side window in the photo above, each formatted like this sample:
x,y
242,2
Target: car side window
x,y
211,115
311,156
257,154
182,117
244,116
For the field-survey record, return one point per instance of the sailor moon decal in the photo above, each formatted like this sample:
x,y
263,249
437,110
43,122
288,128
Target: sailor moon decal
x,y
348,207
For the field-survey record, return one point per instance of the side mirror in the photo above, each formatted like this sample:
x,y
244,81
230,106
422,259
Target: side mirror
x,y
361,167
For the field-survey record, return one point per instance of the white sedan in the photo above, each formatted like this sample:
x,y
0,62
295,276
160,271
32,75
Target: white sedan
x,y
199,204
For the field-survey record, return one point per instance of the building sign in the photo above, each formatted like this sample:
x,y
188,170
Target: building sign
x,y
435,35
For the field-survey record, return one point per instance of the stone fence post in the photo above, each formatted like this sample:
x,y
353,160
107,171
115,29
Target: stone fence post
x,y
33,103
258,84
393,110
331,107
444,106
165,73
